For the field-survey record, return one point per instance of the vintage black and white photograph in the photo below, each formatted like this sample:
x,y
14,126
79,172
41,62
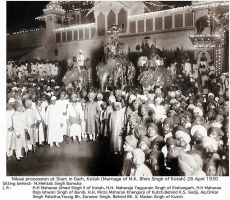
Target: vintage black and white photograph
x,y
117,88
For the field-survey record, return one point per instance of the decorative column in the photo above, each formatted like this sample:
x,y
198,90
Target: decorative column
x,y
183,19
153,23
173,21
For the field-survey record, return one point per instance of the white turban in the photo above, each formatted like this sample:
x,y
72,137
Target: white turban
x,y
99,95
132,97
184,135
11,100
53,98
112,99
199,128
197,109
207,141
117,104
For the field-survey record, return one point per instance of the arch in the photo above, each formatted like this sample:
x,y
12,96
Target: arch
x,y
73,19
65,22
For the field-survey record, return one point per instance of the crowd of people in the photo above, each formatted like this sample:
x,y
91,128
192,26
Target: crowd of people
x,y
174,131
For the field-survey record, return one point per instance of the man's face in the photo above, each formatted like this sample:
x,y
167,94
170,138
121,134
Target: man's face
x,y
182,121
29,105
187,119
142,145
221,111
53,102
210,115
138,161
144,111
39,103
166,128
151,132
214,135
109,102
127,147
211,171
62,96
117,107
198,137
198,121
209,151
130,101
135,106
182,142
133,124
19,108
175,106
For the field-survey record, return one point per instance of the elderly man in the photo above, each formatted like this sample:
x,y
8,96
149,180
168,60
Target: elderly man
x,y
75,117
53,120
19,125
31,122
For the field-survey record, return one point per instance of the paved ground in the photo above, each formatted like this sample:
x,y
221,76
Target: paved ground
x,y
73,159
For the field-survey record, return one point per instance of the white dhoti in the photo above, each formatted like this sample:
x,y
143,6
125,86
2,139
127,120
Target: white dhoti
x,y
75,131
40,137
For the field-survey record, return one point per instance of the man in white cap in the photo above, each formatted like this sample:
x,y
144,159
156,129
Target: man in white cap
x,y
80,58
53,120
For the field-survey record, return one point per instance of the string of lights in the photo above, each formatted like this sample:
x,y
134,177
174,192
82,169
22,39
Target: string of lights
x,y
161,6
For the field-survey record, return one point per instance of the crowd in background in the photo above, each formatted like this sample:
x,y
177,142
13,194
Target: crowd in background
x,y
180,130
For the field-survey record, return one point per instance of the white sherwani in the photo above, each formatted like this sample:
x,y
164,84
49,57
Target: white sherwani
x,y
10,136
31,118
19,125
63,105
74,112
40,135
53,120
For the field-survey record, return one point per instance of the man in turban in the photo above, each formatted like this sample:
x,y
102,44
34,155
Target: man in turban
x,y
184,140
190,164
92,114
210,147
129,145
139,169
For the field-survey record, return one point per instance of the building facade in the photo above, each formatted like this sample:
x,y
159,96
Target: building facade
x,y
73,26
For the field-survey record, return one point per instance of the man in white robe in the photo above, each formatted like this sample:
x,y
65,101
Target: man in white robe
x,y
54,123
40,133
31,122
10,136
62,102
75,117
19,125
